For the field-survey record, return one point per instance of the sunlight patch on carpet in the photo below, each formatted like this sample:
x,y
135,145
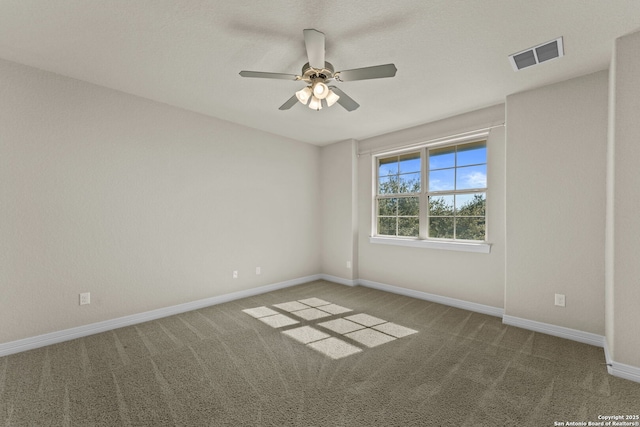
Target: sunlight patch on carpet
x,y
369,337
306,334
311,314
395,330
365,319
260,312
314,302
278,320
291,306
360,328
334,309
334,348
341,326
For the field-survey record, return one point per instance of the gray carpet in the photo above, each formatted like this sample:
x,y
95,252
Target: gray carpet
x,y
221,366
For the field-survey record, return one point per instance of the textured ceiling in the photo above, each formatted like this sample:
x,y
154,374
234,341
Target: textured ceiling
x,y
451,55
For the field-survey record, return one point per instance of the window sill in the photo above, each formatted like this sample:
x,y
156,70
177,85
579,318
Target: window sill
x,y
480,247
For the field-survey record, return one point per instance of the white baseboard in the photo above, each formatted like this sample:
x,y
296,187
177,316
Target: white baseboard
x,y
466,305
617,369
340,280
556,331
107,325
620,370
614,368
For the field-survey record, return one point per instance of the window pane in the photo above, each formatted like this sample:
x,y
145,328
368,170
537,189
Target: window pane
x,y
408,226
409,183
388,185
410,163
388,166
470,228
471,177
408,206
441,227
387,207
387,226
442,158
472,154
441,206
471,204
442,180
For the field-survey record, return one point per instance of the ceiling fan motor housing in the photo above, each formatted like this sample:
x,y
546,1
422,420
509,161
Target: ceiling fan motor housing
x,y
310,74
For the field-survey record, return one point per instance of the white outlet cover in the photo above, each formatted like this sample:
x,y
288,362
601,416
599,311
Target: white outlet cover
x,y
85,298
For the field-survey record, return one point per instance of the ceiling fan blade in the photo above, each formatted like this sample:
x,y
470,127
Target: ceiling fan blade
x,y
290,103
263,75
348,103
314,41
375,72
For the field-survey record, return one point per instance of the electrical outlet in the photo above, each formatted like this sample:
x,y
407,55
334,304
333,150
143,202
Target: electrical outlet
x,y
348,264
235,274
560,300
258,270
85,298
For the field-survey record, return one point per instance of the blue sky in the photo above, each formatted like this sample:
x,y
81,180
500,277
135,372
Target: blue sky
x,y
470,159
471,171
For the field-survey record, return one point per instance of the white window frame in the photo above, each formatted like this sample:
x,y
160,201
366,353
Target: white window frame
x,y
399,196
423,241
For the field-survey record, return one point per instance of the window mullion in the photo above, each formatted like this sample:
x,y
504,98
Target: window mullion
x,y
423,219
455,187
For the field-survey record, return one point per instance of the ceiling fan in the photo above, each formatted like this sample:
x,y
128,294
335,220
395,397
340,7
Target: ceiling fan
x,y
317,73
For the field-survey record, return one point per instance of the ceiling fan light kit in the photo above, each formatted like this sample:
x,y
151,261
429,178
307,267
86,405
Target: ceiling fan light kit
x,y
317,73
320,90
304,94
315,104
317,92
331,98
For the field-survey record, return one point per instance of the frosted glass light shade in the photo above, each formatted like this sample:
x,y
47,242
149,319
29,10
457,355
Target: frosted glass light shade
x,y
304,94
331,98
315,103
320,90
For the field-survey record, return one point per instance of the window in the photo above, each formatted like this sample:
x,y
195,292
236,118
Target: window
x,y
399,195
433,193
457,191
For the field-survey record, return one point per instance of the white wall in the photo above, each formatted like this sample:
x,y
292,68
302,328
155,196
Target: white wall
x,y
623,275
141,204
337,171
472,277
556,173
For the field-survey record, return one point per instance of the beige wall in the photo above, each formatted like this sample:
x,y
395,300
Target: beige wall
x,y
141,204
337,171
472,277
609,209
555,183
623,275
